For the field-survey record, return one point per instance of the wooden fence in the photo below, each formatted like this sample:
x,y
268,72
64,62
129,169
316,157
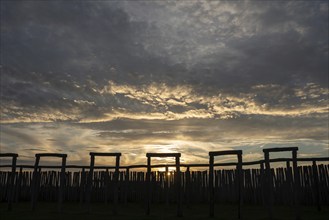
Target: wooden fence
x,y
132,186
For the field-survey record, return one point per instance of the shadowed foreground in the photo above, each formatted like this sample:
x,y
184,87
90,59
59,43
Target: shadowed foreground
x,y
137,211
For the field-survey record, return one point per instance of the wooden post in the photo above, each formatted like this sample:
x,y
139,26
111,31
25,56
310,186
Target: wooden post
x,y
82,185
127,185
211,185
90,181
12,182
116,183
262,182
268,185
239,178
62,184
188,185
296,184
35,182
289,180
178,188
316,185
148,185
166,185
18,184
240,183
11,179
106,185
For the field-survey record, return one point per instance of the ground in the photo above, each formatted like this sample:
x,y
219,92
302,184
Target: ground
x,y
72,211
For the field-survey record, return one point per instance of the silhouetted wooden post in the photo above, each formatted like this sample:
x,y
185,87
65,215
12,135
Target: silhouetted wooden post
x,y
90,180
36,179
106,185
269,181
289,180
262,181
11,180
188,185
148,185
296,183
316,185
116,183
240,182
268,184
35,182
127,185
166,185
115,178
211,185
82,185
177,180
239,179
62,186
178,187
18,184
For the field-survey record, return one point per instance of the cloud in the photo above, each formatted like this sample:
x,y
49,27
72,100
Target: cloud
x,y
175,75
166,102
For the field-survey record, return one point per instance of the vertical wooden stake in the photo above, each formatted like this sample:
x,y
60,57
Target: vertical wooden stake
x,y
296,184
11,179
127,185
263,182
116,185
62,184
269,187
35,182
166,185
90,181
240,184
316,185
178,188
148,185
211,186
188,185
82,185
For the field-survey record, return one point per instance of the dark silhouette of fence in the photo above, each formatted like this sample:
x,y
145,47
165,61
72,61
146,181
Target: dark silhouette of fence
x,y
123,184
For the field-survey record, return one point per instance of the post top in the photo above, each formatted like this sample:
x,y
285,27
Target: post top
x,y
225,152
51,155
8,155
105,154
163,154
280,149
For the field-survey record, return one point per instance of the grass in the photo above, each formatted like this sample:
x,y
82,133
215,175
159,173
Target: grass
x,y
72,211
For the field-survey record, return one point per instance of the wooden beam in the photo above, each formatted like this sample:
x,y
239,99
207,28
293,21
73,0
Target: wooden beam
x,y
280,149
225,152
163,155
105,154
8,155
50,155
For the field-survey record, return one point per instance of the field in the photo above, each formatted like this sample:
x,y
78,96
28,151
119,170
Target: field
x,y
73,211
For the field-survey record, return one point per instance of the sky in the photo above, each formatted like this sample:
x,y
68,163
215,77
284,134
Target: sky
x,y
163,76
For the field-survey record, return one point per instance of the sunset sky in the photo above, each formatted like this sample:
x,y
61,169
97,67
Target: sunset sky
x,y
163,76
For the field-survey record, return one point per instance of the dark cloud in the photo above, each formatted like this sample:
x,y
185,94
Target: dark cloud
x,y
136,71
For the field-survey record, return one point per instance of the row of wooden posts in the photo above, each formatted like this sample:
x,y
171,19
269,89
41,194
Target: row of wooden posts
x,y
267,179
